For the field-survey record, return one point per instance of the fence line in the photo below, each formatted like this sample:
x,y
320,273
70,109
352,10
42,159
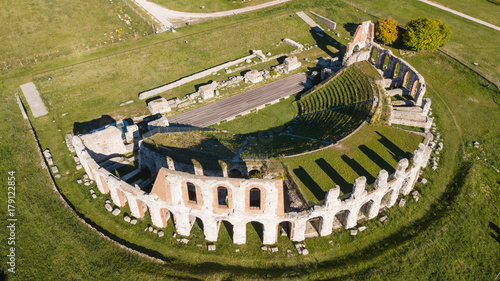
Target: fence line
x,y
151,24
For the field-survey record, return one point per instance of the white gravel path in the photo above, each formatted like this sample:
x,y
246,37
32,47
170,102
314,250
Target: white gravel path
x,y
165,16
461,14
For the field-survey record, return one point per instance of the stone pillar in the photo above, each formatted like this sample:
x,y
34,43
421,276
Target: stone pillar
x,y
352,218
359,187
211,229
170,163
326,226
134,206
270,234
182,224
239,233
381,180
157,218
198,169
299,230
332,197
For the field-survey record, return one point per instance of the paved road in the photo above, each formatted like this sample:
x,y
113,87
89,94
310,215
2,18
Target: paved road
x,y
461,14
163,14
235,105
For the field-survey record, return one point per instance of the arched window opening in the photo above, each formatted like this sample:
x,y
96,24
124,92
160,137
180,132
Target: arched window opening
x,y
255,198
191,188
222,196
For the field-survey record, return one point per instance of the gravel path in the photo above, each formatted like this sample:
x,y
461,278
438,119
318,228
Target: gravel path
x,y
461,14
232,106
164,15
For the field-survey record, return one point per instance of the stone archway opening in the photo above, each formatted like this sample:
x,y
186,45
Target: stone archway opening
x,y
313,227
406,79
365,210
386,200
255,232
254,198
340,219
226,230
385,62
396,69
373,55
257,174
414,87
235,173
285,228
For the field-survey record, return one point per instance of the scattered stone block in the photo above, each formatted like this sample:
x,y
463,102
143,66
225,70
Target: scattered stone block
x,y
211,247
79,166
416,198
383,219
199,245
54,169
50,161
253,76
87,183
57,176
108,207
161,233
126,219
289,251
150,228
126,102
68,140
353,232
305,252
362,228
208,91
94,196
160,105
79,181
263,248
402,202
133,221
423,181
76,159
175,234
116,212
237,250
274,250
184,240
291,63
92,191
155,231
85,176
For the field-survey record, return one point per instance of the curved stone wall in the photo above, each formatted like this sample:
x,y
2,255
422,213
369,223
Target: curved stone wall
x,y
185,197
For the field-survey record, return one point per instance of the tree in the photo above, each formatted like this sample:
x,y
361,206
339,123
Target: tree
x,y
387,30
426,34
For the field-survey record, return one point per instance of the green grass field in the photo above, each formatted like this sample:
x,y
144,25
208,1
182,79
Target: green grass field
x,y
209,5
451,233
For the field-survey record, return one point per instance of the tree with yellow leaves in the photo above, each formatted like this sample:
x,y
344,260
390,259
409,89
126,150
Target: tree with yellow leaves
x,y
387,30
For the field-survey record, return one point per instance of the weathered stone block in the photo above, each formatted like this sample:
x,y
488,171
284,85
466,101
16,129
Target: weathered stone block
x,y
116,212
160,105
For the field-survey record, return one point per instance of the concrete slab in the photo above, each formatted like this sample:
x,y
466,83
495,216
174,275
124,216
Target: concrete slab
x,y
34,101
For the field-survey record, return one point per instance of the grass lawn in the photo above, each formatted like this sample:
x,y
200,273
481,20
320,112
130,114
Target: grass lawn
x,y
51,29
209,5
367,152
451,233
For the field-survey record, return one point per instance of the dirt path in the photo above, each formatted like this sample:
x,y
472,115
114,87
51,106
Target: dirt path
x,y
461,14
166,16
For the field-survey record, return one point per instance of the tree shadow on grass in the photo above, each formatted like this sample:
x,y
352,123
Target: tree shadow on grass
x,y
309,182
345,187
358,168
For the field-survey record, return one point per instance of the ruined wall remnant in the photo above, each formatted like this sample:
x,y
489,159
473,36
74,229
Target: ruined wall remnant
x,y
365,33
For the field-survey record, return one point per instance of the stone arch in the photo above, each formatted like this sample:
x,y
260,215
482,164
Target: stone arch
x,y
386,200
286,228
364,211
340,219
414,87
225,227
356,48
396,69
255,198
255,173
194,220
406,79
373,55
259,229
313,227
235,173
384,62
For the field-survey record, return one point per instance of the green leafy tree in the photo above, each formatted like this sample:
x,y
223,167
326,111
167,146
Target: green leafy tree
x,y
426,34
387,31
